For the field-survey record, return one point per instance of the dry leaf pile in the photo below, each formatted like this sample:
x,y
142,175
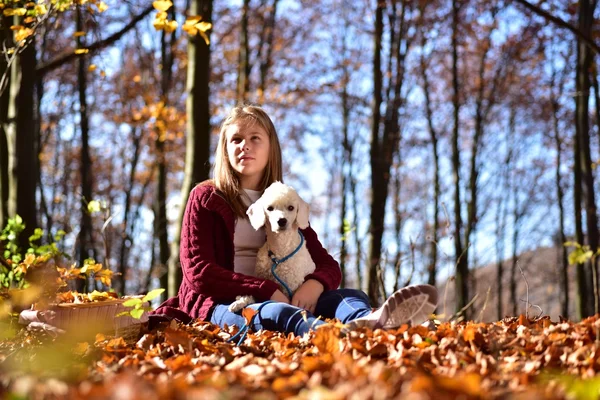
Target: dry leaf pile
x,y
512,358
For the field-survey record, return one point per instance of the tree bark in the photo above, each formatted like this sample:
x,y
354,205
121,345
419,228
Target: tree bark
x,y
161,222
266,47
85,233
584,189
377,211
197,129
462,268
243,84
346,162
383,149
127,236
5,36
564,266
21,140
432,267
586,13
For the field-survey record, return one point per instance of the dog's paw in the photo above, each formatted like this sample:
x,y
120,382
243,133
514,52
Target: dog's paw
x,y
240,303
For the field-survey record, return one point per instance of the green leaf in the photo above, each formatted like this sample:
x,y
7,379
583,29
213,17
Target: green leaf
x,y
152,294
580,255
137,313
59,235
93,206
18,220
132,302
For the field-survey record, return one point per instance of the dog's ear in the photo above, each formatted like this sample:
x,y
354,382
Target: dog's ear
x,y
302,217
257,215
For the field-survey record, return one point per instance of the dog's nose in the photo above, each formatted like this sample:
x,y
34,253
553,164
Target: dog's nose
x,y
282,222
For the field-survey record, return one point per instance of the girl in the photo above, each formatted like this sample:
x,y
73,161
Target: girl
x,y
219,246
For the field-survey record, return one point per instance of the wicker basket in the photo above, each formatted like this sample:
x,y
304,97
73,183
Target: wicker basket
x,y
99,317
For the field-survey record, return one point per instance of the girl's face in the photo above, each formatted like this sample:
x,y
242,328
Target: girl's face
x,y
248,149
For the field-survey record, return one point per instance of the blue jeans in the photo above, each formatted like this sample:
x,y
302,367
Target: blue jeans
x,y
343,304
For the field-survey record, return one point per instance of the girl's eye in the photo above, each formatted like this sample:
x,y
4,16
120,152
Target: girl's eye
x,y
235,140
270,208
255,138
291,208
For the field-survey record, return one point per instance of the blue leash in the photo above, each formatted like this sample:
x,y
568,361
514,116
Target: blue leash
x,y
276,261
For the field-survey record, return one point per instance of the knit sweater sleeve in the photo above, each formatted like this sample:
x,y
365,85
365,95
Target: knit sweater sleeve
x,y
327,270
198,260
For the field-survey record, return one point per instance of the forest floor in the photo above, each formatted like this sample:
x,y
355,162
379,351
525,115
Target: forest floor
x,y
512,358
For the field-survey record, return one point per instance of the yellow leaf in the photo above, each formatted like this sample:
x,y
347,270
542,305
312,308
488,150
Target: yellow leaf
x,y
23,34
92,67
159,25
205,37
102,7
29,259
82,51
162,5
171,26
137,79
20,11
41,9
79,33
102,74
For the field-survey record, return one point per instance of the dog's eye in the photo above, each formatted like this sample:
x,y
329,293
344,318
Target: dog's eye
x,y
270,208
291,208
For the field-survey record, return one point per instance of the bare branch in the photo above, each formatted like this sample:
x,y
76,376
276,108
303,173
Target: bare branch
x,y
561,24
94,47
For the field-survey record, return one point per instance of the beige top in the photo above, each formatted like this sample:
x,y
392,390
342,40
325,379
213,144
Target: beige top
x,y
247,241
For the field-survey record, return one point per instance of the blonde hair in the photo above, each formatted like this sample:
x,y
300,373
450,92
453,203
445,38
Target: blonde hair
x,y
226,179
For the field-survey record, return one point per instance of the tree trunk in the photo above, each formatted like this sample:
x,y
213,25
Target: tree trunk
x,y
385,150
243,84
198,129
355,221
462,268
127,236
432,267
347,154
564,267
85,233
501,217
161,222
21,141
377,211
266,49
5,34
582,299
584,64
583,175
397,224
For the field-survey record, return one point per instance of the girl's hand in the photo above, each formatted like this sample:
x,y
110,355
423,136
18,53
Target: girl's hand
x,y
307,295
280,297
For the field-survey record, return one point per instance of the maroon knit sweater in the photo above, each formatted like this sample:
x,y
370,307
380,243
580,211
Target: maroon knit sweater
x,y
207,252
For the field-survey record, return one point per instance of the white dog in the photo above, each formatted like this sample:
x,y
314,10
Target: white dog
x,y
283,212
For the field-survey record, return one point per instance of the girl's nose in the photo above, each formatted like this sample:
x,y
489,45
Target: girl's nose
x,y
244,145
